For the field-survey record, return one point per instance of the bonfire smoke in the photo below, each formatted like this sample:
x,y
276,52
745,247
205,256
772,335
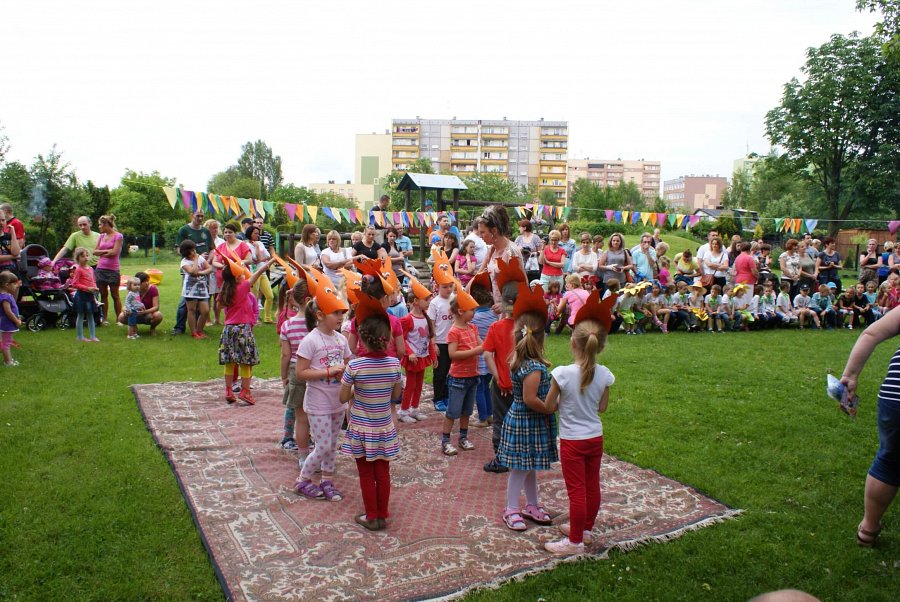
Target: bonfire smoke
x,y
38,204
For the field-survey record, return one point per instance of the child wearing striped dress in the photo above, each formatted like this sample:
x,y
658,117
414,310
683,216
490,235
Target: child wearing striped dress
x,y
295,436
371,384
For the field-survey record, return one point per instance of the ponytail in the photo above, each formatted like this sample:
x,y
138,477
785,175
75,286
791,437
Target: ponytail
x,y
588,338
529,338
311,309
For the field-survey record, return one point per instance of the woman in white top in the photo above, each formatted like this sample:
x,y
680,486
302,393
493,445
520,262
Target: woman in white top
x,y
495,232
715,262
334,257
306,252
260,254
584,260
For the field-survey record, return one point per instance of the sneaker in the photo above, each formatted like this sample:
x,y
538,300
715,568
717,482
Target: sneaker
x,y
133,336
564,547
440,405
587,538
466,445
418,414
289,444
11,363
665,329
480,424
448,449
405,417
236,387
93,340
175,332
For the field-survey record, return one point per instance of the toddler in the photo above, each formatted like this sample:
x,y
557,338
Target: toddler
x,y
45,279
133,306
9,315
82,280
552,297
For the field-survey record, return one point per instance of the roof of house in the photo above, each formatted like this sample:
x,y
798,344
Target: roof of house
x,y
424,181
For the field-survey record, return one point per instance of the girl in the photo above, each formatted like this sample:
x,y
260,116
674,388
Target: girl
x,y
664,276
439,313
9,315
872,299
237,346
716,309
133,306
803,307
624,307
655,302
418,330
697,305
195,289
465,264
571,302
85,286
295,436
581,391
528,434
371,384
321,357
553,297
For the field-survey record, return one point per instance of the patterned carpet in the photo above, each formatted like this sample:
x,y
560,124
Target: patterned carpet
x,y
445,537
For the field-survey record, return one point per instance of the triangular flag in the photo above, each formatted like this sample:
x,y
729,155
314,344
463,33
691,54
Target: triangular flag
x,y
313,212
244,205
779,224
653,218
811,225
214,203
409,218
420,218
672,219
693,220
398,221
528,206
186,196
618,217
645,217
348,215
359,215
269,207
635,217
609,215
660,219
626,217
202,201
797,222
328,213
170,195
291,210
893,225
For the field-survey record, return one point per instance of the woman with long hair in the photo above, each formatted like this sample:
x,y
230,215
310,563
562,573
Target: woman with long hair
x,y
107,271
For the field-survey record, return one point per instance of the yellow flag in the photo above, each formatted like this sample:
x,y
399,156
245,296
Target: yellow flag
x,y
645,217
170,195
313,212
626,217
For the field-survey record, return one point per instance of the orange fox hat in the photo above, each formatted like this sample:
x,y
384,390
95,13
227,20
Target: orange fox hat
x,y
530,300
368,307
595,309
352,279
322,279
327,298
238,270
509,272
311,284
387,272
290,277
465,301
418,289
373,267
441,272
482,278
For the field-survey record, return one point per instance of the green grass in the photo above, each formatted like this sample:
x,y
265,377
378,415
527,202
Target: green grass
x,y
89,508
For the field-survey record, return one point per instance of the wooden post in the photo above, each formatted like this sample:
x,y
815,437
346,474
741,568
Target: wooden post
x,y
408,203
441,206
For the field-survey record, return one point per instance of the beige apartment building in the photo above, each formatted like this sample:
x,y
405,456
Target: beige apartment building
x,y
609,172
526,152
371,163
689,193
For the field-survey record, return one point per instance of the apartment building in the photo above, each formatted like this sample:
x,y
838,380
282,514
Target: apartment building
x,y
689,193
525,152
608,172
371,163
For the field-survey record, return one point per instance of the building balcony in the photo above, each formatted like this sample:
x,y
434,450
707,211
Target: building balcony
x,y
494,136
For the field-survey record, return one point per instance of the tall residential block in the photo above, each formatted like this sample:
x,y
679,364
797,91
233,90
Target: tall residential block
x,y
609,172
689,193
372,162
525,152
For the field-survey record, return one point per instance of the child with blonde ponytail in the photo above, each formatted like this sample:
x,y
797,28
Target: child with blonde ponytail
x,y
580,391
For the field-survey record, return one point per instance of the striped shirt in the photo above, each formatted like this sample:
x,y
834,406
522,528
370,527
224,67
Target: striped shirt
x,y
293,331
370,431
890,388
482,320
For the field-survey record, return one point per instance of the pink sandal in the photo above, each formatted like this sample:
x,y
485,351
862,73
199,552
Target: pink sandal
x,y
514,520
537,514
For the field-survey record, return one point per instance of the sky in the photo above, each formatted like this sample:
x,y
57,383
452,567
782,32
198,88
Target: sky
x,y
178,86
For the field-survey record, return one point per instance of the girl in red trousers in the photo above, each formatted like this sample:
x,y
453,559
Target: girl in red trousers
x,y
418,330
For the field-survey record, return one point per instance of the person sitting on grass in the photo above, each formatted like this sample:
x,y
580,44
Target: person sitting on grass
x,y
150,314
821,304
803,306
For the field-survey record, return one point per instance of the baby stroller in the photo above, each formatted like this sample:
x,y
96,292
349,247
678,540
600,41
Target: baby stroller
x,y
43,301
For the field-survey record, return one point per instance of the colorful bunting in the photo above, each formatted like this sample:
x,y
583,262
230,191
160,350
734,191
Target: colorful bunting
x,y
645,217
170,195
893,225
811,225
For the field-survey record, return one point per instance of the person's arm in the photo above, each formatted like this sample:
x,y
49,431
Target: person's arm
x,y
285,361
346,393
305,372
382,254
839,264
207,268
260,270
352,340
7,309
492,366
888,326
14,247
300,254
604,401
892,262
461,354
552,401
153,309
530,393
561,306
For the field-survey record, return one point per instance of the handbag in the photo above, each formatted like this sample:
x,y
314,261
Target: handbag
x,y
629,274
707,280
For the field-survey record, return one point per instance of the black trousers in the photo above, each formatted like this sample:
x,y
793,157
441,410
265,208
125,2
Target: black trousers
x,y
501,404
440,373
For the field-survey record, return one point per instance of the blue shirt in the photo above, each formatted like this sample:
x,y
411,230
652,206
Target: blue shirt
x,y
483,318
404,244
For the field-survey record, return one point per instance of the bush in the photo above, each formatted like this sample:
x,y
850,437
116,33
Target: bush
x,y
51,242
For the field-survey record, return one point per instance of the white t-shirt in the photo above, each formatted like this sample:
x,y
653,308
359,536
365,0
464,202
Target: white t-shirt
x,y
306,255
342,254
579,259
578,418
323,395
480,247
439,312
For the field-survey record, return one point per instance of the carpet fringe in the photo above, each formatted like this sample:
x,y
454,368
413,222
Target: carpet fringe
x,y
632,544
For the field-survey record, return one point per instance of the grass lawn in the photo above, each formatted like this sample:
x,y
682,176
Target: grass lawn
x,y
89,508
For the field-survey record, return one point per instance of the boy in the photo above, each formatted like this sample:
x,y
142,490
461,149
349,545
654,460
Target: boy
x,y
822,305
784,310
464,347
803,307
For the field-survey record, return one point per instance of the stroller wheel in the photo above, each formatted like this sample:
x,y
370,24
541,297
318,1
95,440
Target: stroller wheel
x,y
36,323
64,322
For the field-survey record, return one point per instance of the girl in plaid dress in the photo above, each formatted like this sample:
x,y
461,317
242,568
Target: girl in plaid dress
x,y
528,435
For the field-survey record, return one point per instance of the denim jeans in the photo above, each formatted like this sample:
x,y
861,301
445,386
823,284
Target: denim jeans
x,y
483,397
462,396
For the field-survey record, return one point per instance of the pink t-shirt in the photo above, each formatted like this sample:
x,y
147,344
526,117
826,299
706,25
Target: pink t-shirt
x,y
107,242
743,269
222,250
243,308
322,350
575,300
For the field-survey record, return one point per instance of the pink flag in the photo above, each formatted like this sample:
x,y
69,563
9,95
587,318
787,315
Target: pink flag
x,y
186,196
893,225
609,215
291,210
693,220
660,219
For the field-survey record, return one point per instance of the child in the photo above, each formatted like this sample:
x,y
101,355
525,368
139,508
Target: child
x,y
612,288
552,298
872,299
765,304
133,305
418,330
581,391
295,434
237,346
378,280
439,312
195,289
466,264
624,306
655,303
9,315
716,309
484,317
45,279
741,299
821,304
371,384
82,280
528,435
682,306
571,302
498,347
464,347
783,308
664,275
862,306
321,357
697,305
803,307
397,305
848,314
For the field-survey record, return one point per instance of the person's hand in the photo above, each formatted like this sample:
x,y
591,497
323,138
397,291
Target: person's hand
x,y
412,357
849,382
284,382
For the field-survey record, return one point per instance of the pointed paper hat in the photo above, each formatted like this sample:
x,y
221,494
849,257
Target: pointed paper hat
x,y
464,300
509,272
367,307
373,268
595,309
482,278
418,289
530,300
290,277
441,272
238,269
352,279
698,287
387,272
322,279
327,298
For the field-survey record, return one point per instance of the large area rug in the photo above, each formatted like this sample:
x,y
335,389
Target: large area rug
x,y
445,537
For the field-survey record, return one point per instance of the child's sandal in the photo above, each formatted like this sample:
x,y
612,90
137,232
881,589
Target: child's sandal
x,y
537,514
514,520
308,489
330,491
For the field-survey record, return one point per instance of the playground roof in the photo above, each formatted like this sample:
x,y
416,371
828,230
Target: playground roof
x,y
423,181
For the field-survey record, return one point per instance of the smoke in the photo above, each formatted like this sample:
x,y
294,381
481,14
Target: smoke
x,y
38,204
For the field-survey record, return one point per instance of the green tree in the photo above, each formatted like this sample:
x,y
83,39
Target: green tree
x,y
737,195
839,127
490,187
547,196
4,144
398,198
232,182
16,186
99,198
887,31
258,162
57,199
140,204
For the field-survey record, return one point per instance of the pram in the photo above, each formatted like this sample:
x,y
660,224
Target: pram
x,y
44,303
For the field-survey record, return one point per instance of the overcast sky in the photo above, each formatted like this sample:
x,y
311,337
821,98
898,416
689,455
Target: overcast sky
x,y
179,86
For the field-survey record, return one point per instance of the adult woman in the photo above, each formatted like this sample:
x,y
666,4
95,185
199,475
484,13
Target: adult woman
x,y
746,270
789,262
450,246
262,285
367,247
869,262
568,245
553,260
495,232
584,260
213,226
884,474
894,259
686,268
809,273
107,272
528,242
334,257
9,246
616,261
150,298
306,252
828,263
393,251
233,248
716,262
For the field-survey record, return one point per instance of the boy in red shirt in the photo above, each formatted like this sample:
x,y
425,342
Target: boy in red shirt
x,y
464,347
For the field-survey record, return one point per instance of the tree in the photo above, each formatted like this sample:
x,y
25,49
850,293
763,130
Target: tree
x,y
100,200
16,186
140,204
232,182
4,144
738,194
547,196
490,187
56,199
390,181
887,31
257,161
839,128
